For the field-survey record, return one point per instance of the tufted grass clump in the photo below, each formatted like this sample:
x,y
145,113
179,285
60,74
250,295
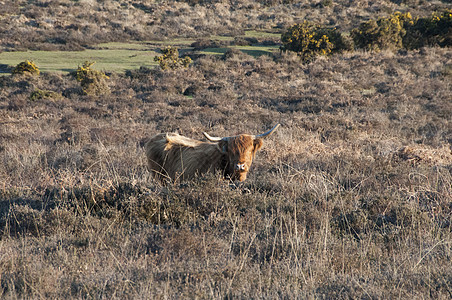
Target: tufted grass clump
x,y
384,33
170,59
309,40
93,82
26,67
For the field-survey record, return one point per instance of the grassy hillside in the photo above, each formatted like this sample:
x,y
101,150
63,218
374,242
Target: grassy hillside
x,y
350,198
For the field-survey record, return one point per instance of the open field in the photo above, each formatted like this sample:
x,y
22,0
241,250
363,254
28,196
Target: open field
x,y
64,62
351,198
118,57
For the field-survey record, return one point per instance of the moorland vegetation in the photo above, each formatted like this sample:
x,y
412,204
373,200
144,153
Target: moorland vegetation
x,y
78,24
350,198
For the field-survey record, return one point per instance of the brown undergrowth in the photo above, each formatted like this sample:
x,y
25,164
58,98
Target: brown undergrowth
x,y
77,25
350,198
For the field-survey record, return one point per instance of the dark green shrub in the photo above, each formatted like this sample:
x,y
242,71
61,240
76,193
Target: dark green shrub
x,y
43,94
26,67
275,2
93,82
384,33
309,40
435,30
170,59
326,3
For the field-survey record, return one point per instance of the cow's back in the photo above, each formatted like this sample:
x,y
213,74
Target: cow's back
x,y
171,155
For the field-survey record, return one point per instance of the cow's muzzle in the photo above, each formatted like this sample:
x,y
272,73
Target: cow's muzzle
x,y
240,167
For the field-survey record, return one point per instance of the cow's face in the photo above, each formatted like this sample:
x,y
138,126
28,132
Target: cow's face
x,y
240,151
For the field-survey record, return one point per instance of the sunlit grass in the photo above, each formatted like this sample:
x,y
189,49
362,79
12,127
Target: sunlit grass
x,y
261,34
251,50
119,57
112,57
116,57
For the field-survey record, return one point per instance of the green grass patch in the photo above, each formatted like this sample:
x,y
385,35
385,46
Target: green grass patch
x,y
174,42
132,46
255,51
262,34
119,57
111,59
214,51
221,38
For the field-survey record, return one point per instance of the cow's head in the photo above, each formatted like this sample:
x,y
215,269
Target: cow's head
x,y
239,151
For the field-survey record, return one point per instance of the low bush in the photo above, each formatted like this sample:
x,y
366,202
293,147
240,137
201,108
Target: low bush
x,y
403,31
384,33
93,82
435,30
309,40
39,94
399,30
170,59
26,67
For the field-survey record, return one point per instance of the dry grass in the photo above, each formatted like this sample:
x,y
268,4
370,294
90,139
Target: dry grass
x,y
76,25
350,198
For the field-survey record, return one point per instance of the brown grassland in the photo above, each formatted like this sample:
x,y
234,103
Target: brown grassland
x,y
350,198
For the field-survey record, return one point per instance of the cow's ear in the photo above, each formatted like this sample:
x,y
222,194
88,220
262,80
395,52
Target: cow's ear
x,y
258,143
223,146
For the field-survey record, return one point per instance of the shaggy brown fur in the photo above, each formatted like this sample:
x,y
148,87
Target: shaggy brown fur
x,y
241,151
177,157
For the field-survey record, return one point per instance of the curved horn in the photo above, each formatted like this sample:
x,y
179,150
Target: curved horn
x,y
212,138
268,132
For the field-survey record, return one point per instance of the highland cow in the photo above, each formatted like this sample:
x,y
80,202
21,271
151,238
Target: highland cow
x,y
175,157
